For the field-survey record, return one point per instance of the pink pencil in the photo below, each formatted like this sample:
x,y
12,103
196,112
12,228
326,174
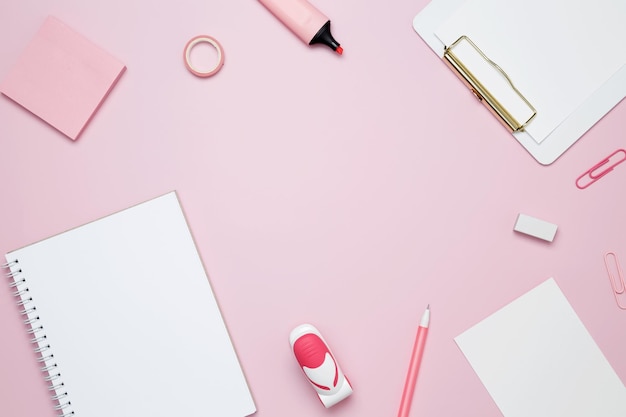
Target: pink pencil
x,y
414,366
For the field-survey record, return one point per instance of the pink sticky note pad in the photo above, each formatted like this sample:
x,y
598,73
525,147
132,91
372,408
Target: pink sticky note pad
x,y
62,77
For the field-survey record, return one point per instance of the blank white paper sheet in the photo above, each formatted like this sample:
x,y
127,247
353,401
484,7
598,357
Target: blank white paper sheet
x,y
536,358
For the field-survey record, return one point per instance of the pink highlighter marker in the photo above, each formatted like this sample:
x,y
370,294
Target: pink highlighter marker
x,y
308,23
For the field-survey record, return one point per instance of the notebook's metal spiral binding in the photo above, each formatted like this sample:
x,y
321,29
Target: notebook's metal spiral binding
x,y
52,377
27,311
45,358
17,282
51,374
20,292
48,368
13,273
56,387
61,395
24,300
34,330
31,321
63,406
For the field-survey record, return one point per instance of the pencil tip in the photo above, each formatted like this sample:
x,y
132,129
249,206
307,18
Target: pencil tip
x,y
428,307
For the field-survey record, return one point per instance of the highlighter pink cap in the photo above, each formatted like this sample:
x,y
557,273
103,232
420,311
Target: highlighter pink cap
x,y
300,16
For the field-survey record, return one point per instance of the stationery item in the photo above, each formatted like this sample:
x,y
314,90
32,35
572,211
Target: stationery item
x,y
618,285
547,96
532,226
536,358
124,321
319,365
62,78
194,69
600,169
305,21
414,365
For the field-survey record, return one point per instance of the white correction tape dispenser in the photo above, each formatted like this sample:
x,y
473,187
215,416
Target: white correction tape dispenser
x,y
319,365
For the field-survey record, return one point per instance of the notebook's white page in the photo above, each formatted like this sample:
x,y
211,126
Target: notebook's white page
x,y
556,52
536,358
132,320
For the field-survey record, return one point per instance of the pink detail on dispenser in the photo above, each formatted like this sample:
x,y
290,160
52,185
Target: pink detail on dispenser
x,y
319,365
310,350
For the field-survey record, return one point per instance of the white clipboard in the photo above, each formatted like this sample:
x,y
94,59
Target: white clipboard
x,y
497,25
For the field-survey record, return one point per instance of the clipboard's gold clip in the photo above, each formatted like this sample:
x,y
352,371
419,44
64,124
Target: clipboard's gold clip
x,y
481,92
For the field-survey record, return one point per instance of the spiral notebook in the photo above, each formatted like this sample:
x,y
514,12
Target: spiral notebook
x,y
124,322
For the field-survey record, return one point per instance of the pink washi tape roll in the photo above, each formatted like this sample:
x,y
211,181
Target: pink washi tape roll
x,y
187,55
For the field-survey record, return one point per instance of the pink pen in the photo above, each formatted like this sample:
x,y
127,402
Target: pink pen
x,y
303,19
414,366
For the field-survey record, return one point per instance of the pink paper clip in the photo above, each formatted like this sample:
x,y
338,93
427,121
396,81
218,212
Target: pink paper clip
x,y
592,176
616,277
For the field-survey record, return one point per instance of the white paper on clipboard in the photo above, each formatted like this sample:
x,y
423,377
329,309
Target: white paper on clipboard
x,y
512,30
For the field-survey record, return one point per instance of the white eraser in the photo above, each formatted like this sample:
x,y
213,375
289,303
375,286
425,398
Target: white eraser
x,y
535,227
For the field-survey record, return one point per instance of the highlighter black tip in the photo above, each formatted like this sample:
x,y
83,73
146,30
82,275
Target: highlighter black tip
x,y
324,37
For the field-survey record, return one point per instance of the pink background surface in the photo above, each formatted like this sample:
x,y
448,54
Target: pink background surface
x,y
346,191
